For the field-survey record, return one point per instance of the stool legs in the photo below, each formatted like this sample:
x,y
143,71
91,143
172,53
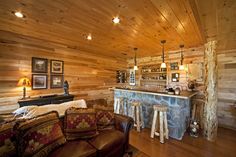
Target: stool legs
x,y
161,128
166,126
154,121
138,118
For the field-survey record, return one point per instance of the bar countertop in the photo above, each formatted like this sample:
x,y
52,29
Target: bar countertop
x,y
183,94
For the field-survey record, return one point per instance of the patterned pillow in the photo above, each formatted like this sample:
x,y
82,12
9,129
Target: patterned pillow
x,y
7,140
40,135
80,123
105,117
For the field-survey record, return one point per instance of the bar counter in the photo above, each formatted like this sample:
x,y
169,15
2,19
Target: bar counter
x,y
178,113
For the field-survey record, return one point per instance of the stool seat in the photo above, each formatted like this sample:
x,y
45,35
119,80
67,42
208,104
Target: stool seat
x,y
162,108
135,103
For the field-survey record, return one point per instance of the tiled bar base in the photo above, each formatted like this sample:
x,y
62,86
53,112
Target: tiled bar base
x,y
178,113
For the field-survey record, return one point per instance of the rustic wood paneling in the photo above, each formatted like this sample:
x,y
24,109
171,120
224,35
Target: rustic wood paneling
x,y
227,89
89,75
143,24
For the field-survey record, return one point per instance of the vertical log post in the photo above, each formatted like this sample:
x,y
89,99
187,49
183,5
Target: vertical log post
x,y
210,108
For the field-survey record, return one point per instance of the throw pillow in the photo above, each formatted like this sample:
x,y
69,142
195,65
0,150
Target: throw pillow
x,y
80,123
38,136
105,117
7,140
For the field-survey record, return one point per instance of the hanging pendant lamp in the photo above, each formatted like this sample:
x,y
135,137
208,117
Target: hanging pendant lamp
x,y
181,67
135,59
163,64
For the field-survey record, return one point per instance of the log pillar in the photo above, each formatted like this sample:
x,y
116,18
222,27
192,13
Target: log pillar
x,y
210,108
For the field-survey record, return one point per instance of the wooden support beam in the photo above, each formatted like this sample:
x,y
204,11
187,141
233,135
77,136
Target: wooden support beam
x,y
210,109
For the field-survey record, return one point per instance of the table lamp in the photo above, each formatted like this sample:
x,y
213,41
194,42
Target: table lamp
x,y
24,82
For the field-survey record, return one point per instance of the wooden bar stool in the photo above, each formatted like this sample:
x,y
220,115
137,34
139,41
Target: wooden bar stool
x,y
137,115
161,110
119,105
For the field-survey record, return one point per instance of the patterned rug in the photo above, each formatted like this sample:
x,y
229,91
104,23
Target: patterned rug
x,y
134,152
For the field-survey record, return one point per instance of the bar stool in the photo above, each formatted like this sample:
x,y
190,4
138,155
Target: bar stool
x,y
119,105
161,109
136,114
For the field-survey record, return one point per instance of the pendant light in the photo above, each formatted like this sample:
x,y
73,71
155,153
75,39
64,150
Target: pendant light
x,y
181,67
163,64
135,59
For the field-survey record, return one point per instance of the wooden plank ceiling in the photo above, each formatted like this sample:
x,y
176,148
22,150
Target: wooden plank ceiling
x,y
217,19
143,24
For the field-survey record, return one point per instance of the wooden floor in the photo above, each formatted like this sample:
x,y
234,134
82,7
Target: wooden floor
x,y
225,146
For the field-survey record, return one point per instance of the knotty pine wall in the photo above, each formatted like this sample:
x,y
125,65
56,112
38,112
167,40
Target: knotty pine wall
x,y
227,88
89,75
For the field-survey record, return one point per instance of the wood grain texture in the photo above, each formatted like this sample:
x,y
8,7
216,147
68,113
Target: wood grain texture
x,y
89,75
143,24
188,147
210,108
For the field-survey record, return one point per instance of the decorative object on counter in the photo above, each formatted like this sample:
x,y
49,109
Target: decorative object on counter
x,y
57,67
194,128
39,81
174,66
163,64
135,59
137,114
56,81
191,84
66,87
132,77
175,77
24,82
171,91
181,67
39,65
161,109
120,76
177,91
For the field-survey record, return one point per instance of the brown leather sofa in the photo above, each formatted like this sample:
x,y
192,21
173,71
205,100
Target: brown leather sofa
x,y
110,143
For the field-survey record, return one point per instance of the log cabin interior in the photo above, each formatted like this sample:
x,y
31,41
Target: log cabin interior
x,y
125,78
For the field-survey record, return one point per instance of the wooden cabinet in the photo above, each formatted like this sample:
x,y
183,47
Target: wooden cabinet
x,y
153,75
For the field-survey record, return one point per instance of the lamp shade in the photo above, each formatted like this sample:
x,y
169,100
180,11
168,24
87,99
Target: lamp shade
x,y
181,67
163,65
135,67
24,82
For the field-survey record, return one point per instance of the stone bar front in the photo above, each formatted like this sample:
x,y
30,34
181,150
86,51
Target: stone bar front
x,y
178,113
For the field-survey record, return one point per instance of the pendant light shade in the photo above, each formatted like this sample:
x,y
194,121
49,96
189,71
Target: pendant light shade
x,y
135,59
163,64
181,67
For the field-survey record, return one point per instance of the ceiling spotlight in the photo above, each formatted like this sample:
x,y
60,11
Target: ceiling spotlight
x,y
18,14
116,20
89,37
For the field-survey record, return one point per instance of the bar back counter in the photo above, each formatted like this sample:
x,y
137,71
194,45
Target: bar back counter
x,y
178,114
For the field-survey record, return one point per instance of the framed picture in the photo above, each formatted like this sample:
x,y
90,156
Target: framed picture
x,y
175,77
39,65
39,81
174,66
57,81
57,67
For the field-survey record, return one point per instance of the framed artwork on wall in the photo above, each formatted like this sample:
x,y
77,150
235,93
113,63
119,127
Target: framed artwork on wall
x,y
174,66
39,81
39,65
57,67
57,81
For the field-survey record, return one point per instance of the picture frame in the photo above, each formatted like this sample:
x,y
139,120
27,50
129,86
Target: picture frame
x,y
39,65
175,77
56,81
57,67
39,81
174,66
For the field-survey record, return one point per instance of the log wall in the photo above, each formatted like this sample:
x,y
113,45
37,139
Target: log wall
x,y
227,88
89,75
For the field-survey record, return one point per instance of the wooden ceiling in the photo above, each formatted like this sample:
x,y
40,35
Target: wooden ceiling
x,y
143,24
218,21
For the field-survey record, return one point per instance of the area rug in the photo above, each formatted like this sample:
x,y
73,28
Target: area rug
x,y
134,152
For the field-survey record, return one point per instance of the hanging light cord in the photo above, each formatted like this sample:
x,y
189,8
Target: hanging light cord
x,y
182,56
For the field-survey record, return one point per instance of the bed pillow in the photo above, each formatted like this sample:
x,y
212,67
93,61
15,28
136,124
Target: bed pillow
x,y
105,117
80,123
7,140
40,135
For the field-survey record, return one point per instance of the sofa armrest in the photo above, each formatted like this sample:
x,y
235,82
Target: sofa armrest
x,y
124,124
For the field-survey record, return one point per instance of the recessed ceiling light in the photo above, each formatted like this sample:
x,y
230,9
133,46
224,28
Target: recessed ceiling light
x,y
89,37
116,20
18,14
